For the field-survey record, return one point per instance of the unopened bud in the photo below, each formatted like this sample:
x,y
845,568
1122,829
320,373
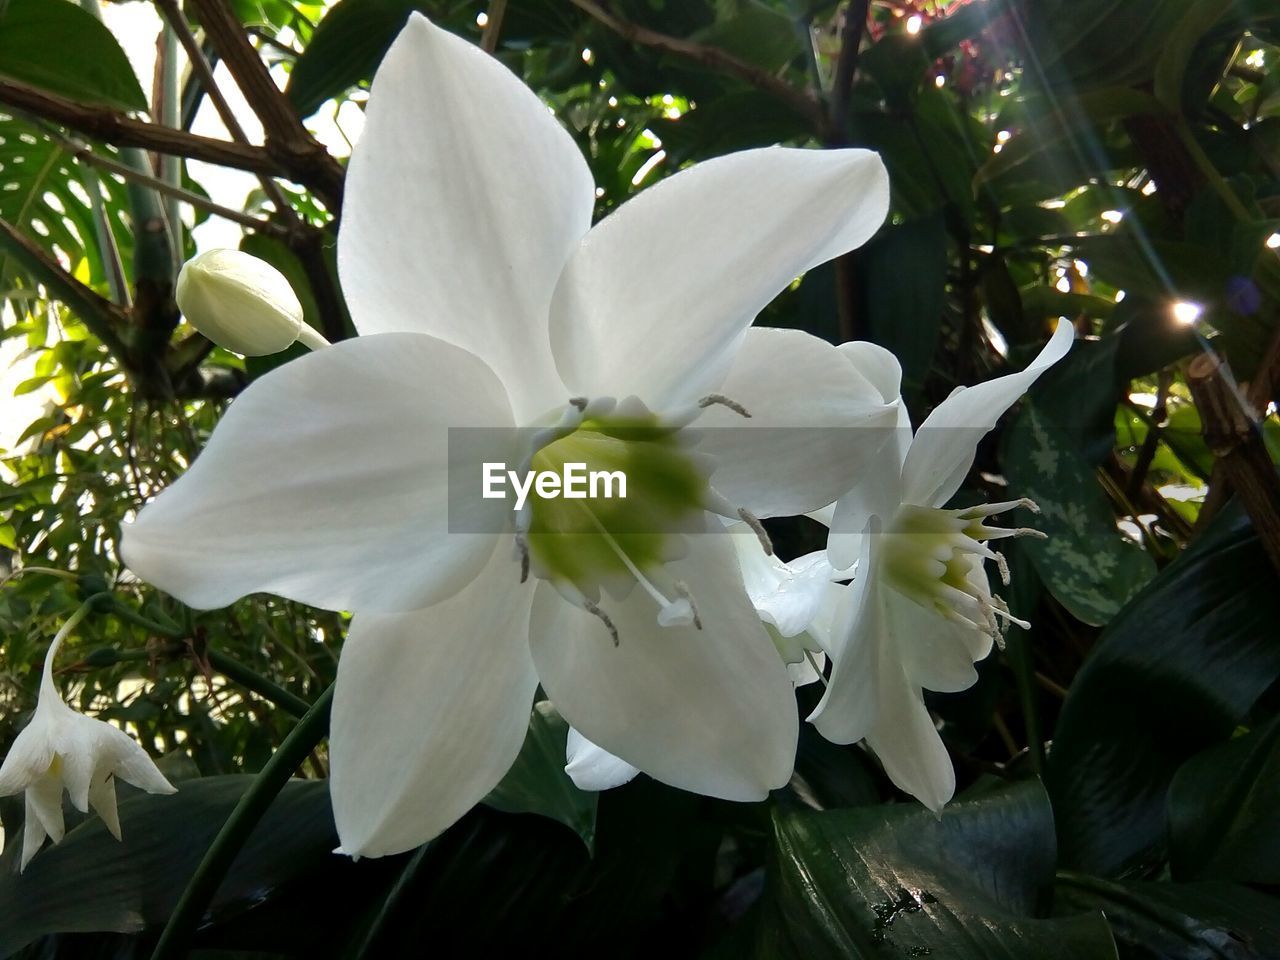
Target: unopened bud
x,y
242,303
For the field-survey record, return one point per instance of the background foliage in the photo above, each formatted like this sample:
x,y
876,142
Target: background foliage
x,y
1116,162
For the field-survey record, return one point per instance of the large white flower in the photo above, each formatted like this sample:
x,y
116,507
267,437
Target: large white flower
x,y
486,300
920,611
61,748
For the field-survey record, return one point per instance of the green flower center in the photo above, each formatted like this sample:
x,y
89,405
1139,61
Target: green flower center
x,y
639,486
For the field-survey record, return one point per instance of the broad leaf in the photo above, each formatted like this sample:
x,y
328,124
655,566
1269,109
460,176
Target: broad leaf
x,y
1173,674
1087,564
896,880
537,782
54,45
1224,811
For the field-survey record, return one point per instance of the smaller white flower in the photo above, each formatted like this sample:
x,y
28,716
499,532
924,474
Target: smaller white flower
x,y
61,748
921,611
242,303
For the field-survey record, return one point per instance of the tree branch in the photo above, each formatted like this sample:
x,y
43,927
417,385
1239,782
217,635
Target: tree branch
x,y
204,73
800,101
107,125
286,137
1232,433
99,314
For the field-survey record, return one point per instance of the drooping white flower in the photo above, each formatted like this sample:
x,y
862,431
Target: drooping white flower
x,y
920,611
485,299
63,749
242,303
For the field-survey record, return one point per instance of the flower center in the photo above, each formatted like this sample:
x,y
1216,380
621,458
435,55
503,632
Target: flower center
x,y
631,487
935,558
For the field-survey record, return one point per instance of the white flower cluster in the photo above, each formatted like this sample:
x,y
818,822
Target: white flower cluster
x,y
661,626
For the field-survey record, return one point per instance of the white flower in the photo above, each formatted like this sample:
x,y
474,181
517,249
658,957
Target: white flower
x,y
486,300
920,611
242,303
61,748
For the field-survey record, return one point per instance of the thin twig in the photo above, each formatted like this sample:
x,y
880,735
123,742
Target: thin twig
x,y
200,66
1151,442
82,151
800,101
855,27
99,314
493,27
286,136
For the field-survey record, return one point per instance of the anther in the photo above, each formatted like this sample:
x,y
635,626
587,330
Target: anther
x,y
682,590
522,550
752,521
595,611
579,402
719,399
1003,566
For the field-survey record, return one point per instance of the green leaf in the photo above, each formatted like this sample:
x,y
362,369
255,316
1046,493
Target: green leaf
x,y
1085,561
1172,674
537,782
346,48
1181,43
1224,811
91,882
897,881
54,45
1182,921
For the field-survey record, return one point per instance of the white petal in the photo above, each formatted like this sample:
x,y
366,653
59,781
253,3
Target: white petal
x,y
44,801
122,757
328,482
877,488
935,653
847,711
33,834
880,367
464,199
708,710
658,295
593,768
430,712
102,797
816,424
29,757
906,740
944,446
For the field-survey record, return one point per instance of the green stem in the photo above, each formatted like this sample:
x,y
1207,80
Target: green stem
x,y
297,746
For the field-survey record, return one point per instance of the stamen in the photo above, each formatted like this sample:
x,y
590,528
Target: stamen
x,y
752,521
595,610
579,402
682,589
719,399
1003,566
522,551
671,613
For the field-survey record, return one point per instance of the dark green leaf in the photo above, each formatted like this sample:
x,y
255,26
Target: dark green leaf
x,y
347,47
1224,811
897,881
1183,921
89,882
54,45
537,782
1173,674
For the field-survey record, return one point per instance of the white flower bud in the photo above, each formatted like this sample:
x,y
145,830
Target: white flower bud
x,y
242,303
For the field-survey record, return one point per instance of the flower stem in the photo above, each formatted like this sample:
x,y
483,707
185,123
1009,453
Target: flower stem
x,y
311,729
